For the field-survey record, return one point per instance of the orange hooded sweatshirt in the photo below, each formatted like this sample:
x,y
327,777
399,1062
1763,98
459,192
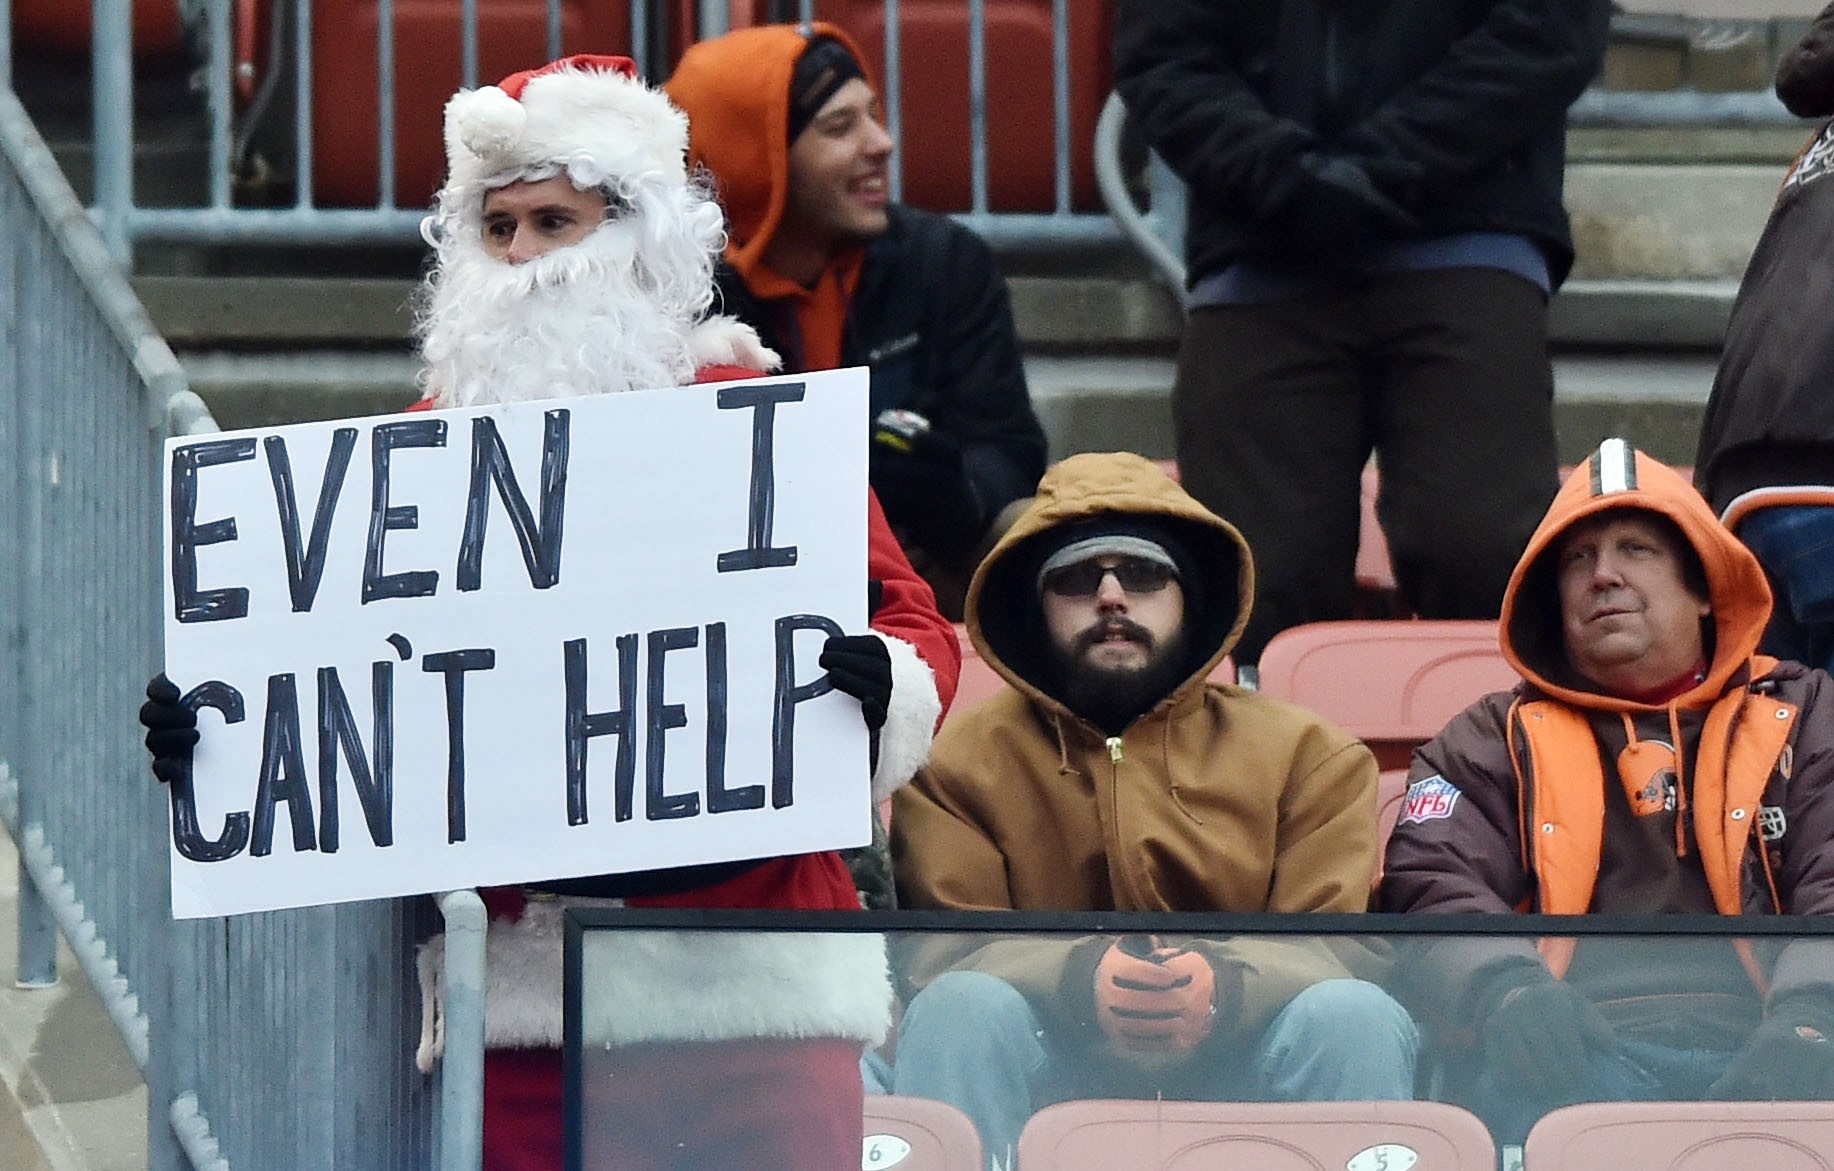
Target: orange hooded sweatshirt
x,y
735,90
1728,772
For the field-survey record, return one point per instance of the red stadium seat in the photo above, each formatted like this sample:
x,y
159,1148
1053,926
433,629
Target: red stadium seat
x,y
1392,684
512,35
63,26
1268,1136
919,1134
979,682
933,48
1684,1136
1375,576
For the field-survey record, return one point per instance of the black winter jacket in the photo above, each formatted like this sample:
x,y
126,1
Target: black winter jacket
x,y
931,317
1770,418
1456,108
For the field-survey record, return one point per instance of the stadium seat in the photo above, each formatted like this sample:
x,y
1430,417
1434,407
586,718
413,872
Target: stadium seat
x,y
1102,1135
512,35
918,1134
1377,596
1684,1136
978,683
63,27
936,161
1392,684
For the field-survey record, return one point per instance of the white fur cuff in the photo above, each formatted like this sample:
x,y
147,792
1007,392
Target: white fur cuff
x,y
910,719
727,341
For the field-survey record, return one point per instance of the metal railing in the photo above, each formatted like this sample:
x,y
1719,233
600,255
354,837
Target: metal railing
x,y
280,1041
125,221
222,220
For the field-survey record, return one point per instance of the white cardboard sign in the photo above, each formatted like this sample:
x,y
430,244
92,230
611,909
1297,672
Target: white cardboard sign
x,y
513,643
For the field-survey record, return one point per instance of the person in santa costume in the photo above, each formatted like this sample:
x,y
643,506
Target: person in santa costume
x,y
574,255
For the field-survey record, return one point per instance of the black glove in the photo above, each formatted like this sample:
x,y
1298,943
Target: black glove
x,y
927,495
860,665
1542,1034
171,728
1328,203
1790,1057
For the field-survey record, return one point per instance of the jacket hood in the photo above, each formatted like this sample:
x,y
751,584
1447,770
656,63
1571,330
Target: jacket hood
x,y
1615,476
735,90
1002,611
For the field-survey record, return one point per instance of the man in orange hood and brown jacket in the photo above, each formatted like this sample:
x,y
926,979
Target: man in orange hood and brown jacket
x,y
1115,776
1650,762
832,273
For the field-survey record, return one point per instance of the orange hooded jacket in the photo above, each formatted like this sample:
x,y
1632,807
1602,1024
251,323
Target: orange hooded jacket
x,y
735,90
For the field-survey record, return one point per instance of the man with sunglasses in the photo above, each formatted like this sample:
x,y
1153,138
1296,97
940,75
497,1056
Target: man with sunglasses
x,y
1115,776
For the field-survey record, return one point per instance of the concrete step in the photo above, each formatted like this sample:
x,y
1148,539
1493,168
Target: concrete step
x,y
71,1098
1053,314
1655,401
1086,403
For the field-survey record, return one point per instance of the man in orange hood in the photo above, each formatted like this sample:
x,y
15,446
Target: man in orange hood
x,y
1649,762
832,273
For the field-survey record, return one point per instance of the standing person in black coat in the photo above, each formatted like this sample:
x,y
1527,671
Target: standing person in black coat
x,y
1766,458
1375,227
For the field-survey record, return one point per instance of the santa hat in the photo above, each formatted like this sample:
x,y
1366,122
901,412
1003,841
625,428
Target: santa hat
x,y
590,116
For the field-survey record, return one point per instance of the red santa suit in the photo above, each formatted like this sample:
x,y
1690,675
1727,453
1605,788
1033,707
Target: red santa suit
x,y
728,1050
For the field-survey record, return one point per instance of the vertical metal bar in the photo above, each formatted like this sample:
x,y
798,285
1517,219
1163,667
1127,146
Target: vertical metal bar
x,y
385,103
37,934
6,44
468,42
640,36
461,1106
554,46
1060,99
714,19
808,10
894,96
113,97
302,102
977,102
217,95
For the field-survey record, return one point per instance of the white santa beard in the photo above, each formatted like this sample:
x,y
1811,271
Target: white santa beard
x,y
584,319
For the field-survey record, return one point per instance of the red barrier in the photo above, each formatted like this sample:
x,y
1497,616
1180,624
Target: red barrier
x,y
512,35
62,26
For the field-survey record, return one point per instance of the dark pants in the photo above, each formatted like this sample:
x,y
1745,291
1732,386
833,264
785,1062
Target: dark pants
x,y
1444,374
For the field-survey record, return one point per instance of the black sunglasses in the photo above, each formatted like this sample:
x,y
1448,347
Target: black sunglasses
x,y
1137,575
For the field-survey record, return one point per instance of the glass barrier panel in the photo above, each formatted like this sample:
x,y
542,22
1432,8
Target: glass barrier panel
x,y
729,1039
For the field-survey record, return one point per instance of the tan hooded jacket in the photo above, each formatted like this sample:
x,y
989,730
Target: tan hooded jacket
x,y
1218,799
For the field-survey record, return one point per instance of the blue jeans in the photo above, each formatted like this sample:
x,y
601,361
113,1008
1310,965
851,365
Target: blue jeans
x,y
971,1040
1795,544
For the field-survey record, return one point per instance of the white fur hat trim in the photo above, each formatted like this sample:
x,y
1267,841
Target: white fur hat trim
x,y
590,116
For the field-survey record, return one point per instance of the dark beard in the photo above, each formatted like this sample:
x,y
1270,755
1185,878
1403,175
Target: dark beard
x,y
1112,698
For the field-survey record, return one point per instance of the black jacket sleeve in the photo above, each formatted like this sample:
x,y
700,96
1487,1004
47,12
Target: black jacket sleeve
x,y
1498,87
1173,68
980,388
